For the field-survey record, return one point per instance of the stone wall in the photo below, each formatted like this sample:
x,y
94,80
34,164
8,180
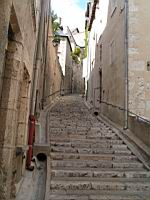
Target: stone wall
x,y
68,69
139,48
141,129
50,74
107,76
77,79
18,35
110,60
54,75
4,23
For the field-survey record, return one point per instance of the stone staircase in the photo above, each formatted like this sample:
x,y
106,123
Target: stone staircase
x,y
88,159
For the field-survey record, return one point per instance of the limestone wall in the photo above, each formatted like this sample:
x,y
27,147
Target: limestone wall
x,y
18,36
141,129
77,79
68,69
109,61
139,48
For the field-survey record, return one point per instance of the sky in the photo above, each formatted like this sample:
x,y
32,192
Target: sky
x,y
72,12
82,4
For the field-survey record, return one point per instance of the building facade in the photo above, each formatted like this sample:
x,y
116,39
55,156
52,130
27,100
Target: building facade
x,y
96,18
118,82
25,87
77,42
72,71
65,59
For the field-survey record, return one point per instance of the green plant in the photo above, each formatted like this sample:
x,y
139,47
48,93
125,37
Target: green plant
x,y
56,26
76,55
86,43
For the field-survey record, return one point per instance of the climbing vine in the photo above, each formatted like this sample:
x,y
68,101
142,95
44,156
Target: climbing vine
x,y
86,43
76,55
56,25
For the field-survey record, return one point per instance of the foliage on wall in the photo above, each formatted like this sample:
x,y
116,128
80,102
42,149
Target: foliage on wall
x,y
56,25
86,42
76,55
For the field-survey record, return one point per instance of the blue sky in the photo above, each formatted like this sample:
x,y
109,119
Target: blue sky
x,y
72,12
83,3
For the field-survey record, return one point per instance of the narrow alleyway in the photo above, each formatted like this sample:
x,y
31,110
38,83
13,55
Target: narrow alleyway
x,y
88,160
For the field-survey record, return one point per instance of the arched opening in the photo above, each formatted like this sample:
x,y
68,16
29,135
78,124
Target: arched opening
x,y
96,113
41,157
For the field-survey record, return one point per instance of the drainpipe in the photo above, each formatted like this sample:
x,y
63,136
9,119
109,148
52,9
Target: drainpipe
x,y
37,63
30,142
126,67
45,63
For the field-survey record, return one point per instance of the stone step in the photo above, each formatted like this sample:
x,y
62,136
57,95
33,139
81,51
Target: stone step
x,y
100,174
102,180
88,145
125,185
115,157
95,164
101,169
88,160
96,194
82,136
91,150
94,197
81,141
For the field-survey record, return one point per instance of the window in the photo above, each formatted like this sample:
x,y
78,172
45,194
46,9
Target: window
x,y
112,52
113,6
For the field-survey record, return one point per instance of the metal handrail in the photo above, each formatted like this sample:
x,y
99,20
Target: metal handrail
x,y
123,109
58,91
120,108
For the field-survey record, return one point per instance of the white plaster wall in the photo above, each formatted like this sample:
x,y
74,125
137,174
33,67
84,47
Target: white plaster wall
x,y
62,49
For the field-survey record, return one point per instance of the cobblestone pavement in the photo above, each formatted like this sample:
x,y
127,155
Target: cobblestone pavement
x,y
88,159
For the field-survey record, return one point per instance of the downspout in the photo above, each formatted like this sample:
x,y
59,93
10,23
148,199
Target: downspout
x,y
126,68
37,62
45,63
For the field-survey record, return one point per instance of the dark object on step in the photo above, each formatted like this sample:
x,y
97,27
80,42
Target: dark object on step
x,y
96,113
